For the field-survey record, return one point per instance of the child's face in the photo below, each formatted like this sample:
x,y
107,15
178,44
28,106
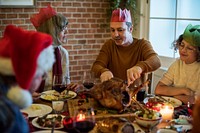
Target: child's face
x,y
187,52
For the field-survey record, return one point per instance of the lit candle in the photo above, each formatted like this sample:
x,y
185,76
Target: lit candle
x,y
167,112
80,117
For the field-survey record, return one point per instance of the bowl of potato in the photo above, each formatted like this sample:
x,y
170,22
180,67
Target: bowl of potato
x,y
148,118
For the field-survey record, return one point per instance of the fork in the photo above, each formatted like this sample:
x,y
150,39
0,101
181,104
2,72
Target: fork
x,y
53,126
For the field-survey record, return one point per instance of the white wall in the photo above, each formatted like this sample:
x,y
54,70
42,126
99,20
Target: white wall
x,y
165,63
143,32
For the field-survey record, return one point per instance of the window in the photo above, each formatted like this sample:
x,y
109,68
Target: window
x,y
167,20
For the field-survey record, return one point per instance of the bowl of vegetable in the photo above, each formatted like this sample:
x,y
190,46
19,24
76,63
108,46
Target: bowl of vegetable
x,y
148,118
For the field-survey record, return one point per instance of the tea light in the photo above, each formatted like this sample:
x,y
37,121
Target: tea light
x,y
167,112
80,117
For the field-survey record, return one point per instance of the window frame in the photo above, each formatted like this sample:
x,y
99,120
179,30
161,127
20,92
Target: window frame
x,y
144,27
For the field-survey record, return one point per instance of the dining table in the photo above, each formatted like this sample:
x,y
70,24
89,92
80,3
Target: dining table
x,y
68,109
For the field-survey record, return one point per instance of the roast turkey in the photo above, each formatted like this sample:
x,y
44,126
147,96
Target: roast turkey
x,y
113,94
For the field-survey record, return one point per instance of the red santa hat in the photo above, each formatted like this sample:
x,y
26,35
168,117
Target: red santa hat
x,y
24,54
119,15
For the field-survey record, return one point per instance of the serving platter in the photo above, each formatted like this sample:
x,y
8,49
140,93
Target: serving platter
x,y
100,111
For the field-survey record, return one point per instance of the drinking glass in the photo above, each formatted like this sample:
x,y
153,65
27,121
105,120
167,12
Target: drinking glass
x,y
88,80
59,83
84,120
140,95
58,106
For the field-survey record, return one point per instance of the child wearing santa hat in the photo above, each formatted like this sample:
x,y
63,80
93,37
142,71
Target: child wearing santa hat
x,y
25,56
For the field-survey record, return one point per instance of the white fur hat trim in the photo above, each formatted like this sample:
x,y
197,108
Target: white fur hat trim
x,y
45,60
6,66
19,96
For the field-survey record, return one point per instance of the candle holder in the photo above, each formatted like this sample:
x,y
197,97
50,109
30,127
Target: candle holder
x,y
84,120
167,112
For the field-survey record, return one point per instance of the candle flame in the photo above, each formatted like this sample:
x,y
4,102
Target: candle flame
x,y
80,117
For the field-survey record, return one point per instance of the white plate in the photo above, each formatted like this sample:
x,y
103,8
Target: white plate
x,y
48,95
184,127
37,110
35,124
166,131
49,131
175,102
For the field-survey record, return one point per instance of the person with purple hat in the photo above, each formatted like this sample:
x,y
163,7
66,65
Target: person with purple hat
x,y
25,56
182,79
125,56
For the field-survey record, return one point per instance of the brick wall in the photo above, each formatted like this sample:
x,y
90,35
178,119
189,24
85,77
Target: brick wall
x,y
87,31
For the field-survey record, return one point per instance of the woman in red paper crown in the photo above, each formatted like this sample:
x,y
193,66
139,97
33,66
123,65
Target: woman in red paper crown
x,y
25,56
54,24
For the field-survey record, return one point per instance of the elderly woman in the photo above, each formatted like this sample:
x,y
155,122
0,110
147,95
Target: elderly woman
x,y
183,76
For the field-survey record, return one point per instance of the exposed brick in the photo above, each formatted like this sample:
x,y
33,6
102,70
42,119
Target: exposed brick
x,y
82,21
86,15
77,47
80,37
78,15
76,68
71,10
87,4
24,16
91,10
2,16
95,4
88,28
11,16
18,21
81,41
67,4
28,10
61,10
19,10
81,10
82,62
75,25
76,4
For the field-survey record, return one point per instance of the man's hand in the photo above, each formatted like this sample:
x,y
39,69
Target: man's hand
x,y
133,74
106,76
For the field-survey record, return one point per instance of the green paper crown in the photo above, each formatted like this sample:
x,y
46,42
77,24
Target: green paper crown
x,y
192,35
